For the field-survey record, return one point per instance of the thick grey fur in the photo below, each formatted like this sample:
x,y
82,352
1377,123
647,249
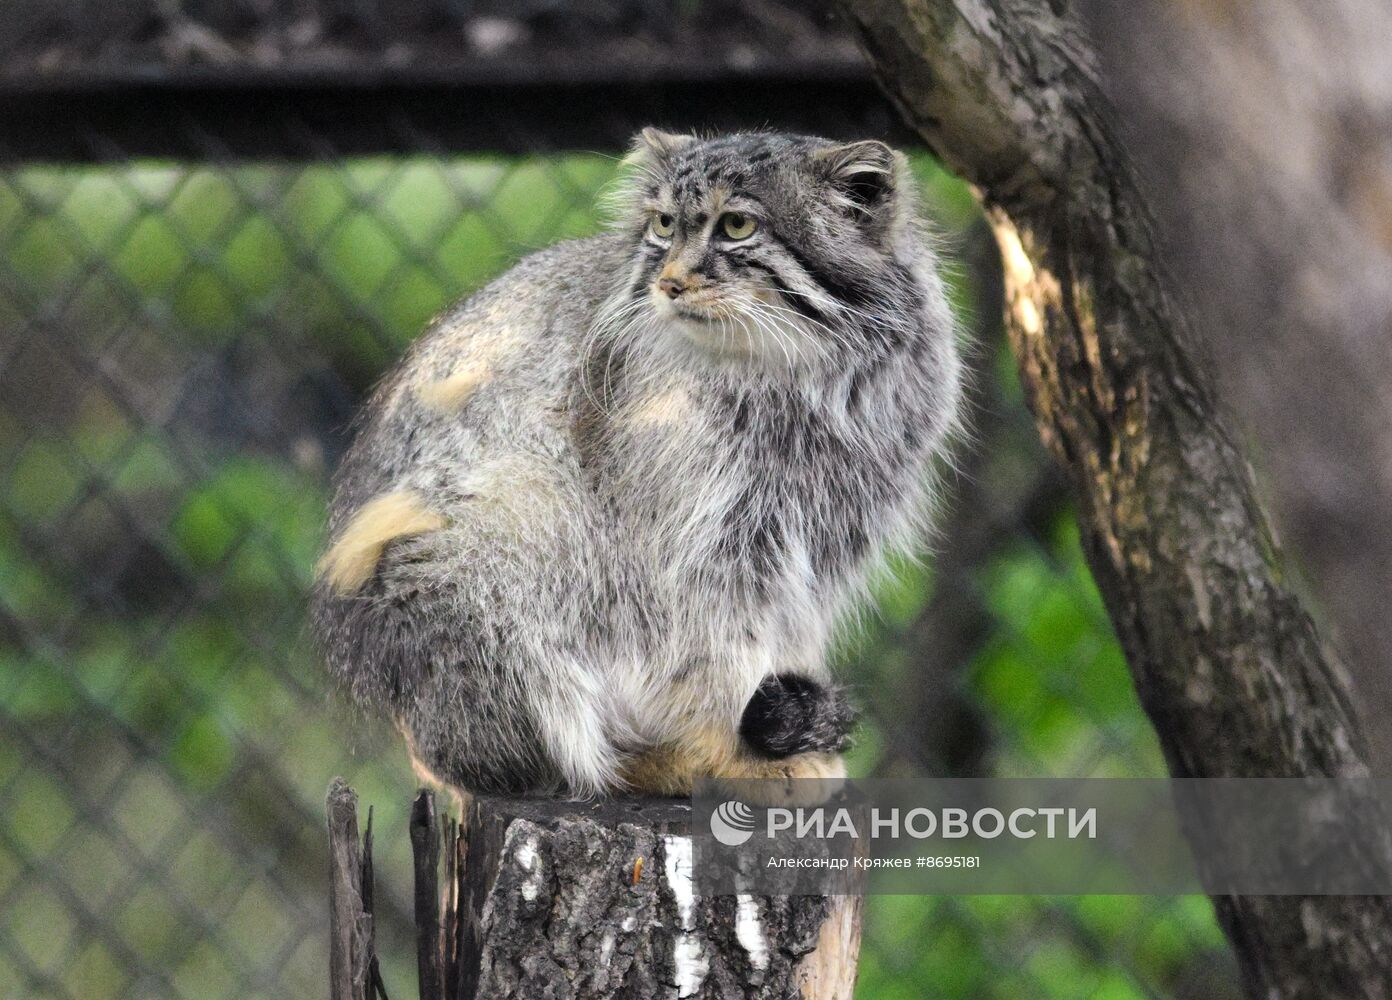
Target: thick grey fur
x,y
615,570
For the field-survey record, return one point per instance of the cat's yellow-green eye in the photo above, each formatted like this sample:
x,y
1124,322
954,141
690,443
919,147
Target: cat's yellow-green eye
x,y
664,225
736,226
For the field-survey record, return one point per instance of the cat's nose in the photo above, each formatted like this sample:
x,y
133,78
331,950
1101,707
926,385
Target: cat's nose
x,y
671,287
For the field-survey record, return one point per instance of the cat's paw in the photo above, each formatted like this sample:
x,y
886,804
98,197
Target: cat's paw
x,y
805,779
793,714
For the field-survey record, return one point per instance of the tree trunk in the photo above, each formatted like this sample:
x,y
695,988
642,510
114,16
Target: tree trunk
x,y
549,900
559,899
1227,663
1268,162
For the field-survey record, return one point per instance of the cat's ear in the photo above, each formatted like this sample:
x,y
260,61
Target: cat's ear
x,y
644,168
652,142
866,174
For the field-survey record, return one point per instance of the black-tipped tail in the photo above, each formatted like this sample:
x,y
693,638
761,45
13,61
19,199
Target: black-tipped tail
x,y
792,714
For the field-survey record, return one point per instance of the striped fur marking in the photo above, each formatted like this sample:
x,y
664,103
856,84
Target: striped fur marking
x,y
665,408
351,560
450,394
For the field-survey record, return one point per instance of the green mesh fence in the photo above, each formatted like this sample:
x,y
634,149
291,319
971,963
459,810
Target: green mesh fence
x,y
182,347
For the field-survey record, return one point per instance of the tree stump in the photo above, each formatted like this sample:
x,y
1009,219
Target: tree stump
x,y
548,900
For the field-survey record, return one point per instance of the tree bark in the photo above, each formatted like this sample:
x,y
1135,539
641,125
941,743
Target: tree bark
x,y
538,899
1226,662
350,907
1268,161
594,900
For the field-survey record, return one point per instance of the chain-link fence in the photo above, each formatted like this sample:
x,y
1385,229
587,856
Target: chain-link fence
x,y
182,346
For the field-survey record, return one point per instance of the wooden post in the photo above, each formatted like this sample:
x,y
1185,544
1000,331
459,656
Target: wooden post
x,y
353,973
425,851
593,900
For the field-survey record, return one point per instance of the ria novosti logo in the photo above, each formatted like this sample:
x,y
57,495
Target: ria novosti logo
x,y
732,823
